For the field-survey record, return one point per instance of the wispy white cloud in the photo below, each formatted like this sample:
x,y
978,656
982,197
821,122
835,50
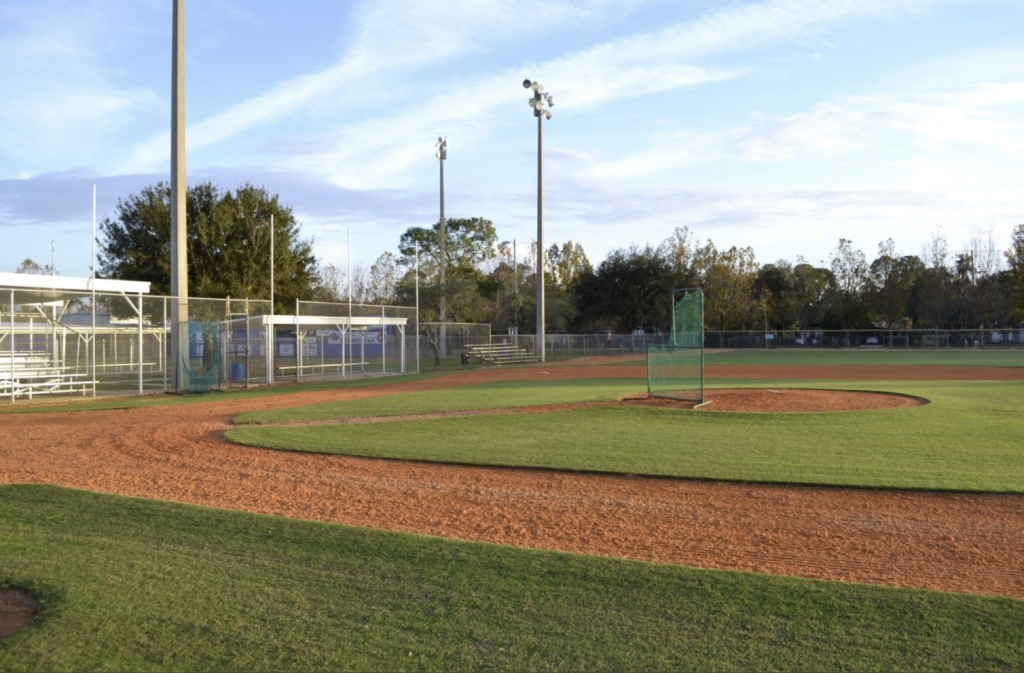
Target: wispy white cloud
x,y
619,70
390,36
61,105
431,32
987,115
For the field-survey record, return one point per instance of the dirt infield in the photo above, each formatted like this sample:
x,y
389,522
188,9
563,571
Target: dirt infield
x,y
953,542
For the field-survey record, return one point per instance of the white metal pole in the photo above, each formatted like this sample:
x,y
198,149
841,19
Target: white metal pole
x,y
349,275
416,248
12,344
93,231
92,285
540,238
272,331
140,342
272,265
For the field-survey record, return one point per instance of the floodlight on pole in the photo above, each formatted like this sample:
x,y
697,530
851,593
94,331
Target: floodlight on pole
x,y
540,102
441,153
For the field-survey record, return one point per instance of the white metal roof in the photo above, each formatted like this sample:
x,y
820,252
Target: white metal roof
x,y
356,322
19,281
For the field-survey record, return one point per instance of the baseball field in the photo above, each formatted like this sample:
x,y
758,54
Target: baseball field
x,y
837,510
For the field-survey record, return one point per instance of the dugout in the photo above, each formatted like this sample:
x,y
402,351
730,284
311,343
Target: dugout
x,y
292,347
61,334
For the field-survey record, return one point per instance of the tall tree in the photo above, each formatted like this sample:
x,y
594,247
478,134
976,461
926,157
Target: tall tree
x,y
847,306
1015,257
228,244
567,264
892,278
470,243
31,267
727,277
631,288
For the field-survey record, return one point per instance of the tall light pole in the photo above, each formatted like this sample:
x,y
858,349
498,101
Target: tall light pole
x,y
540,111
441,154
179,244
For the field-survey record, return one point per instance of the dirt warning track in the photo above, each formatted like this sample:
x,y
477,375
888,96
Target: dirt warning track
x,y
953,542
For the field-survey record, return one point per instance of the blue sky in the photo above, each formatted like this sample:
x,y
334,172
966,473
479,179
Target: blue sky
x,y
779,124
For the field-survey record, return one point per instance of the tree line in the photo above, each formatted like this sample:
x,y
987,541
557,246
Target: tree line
x,y
488,282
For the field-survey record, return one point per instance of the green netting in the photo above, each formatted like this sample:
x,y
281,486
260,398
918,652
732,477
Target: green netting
x,y
676,370
201,353
688,319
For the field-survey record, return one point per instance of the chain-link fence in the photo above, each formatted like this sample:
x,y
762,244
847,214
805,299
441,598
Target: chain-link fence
x,y
57,343
868,338
452,344
324,340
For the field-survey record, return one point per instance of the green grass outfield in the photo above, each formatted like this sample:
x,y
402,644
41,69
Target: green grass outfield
x,y
968,438
965,357
140,585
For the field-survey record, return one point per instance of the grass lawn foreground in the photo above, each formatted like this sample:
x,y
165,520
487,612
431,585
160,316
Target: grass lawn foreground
x,y
130,584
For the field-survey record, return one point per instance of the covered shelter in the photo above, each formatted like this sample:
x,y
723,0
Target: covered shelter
x,y
49,326
315,345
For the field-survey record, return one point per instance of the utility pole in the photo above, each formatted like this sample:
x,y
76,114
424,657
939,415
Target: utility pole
x,y
179,243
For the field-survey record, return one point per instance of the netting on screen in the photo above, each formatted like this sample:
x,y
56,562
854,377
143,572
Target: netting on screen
x,y
676,370
201,354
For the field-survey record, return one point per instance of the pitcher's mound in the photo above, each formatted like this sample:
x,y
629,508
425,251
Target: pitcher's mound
x,y
787,399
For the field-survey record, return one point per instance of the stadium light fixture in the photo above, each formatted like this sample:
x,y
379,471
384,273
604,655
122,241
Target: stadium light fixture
x,y
541,101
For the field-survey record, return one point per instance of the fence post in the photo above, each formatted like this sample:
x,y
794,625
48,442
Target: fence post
x,y
140,343
12,345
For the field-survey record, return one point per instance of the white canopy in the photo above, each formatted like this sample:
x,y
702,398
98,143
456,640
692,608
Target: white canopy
x,y
25,281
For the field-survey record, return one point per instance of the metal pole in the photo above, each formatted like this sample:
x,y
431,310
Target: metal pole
x,y
179,242
766,323
246,342
140,342
349,274
442,239
12,345
443,154
540,238
92,286
163,350
94,231
272,264
416,248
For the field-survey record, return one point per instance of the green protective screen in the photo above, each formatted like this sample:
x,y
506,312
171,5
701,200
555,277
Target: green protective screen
x,y
202,355
676,370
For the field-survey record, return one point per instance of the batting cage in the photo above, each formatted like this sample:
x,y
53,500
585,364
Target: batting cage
x,y
676,370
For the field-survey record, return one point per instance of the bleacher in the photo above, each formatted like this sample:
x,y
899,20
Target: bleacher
x,y
27,374
501,354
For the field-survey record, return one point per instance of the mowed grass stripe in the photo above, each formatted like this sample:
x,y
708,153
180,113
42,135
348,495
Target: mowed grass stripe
x,y
141,585
967,439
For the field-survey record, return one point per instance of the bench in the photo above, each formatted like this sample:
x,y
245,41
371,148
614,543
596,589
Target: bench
x,y
501,354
